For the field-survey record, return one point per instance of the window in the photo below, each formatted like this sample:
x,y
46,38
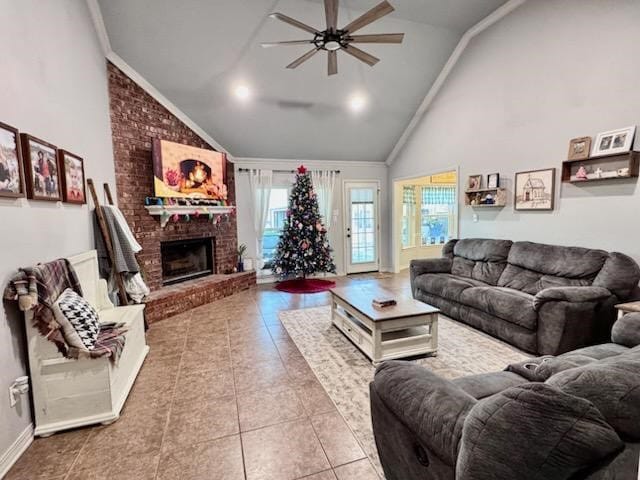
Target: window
x,y
437,212
408,216
278,202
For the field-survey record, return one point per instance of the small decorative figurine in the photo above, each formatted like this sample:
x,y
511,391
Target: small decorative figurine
x,y
582,173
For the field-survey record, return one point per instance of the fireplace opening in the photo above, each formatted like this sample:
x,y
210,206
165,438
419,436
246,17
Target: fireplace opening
x,y
184,260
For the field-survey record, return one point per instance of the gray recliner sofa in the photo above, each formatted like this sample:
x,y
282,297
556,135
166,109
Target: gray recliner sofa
x,y
544,299
571,417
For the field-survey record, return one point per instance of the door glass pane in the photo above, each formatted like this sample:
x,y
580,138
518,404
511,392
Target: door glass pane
x,y
363,225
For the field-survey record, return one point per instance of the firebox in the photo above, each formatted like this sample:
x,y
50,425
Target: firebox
x,y
184,260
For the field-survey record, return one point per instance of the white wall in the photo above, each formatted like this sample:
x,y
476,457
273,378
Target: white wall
x,y
348,171
54,86
548,72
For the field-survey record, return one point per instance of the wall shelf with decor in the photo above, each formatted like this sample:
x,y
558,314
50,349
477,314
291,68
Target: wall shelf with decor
x,y
602,168
477,198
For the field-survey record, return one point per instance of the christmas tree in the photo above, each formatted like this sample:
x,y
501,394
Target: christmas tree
x,y
303,248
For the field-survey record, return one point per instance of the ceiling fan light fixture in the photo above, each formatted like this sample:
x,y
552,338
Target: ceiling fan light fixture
x,y
332,45
334,39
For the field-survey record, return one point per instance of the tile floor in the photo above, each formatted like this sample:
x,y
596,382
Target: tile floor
x,y
223,394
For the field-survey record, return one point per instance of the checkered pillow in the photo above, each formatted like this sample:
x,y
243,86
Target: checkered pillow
x,y
78,319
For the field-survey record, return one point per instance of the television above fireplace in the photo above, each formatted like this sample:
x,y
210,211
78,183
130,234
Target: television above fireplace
x,y
184,260
182,171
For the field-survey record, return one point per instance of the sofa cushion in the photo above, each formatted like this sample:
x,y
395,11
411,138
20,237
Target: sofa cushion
x,y
613,386
558,435
511,305
534,266
480,259
626,330
486,384
604,350
445,285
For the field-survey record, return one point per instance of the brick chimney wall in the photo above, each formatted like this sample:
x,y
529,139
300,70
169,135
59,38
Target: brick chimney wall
x,y
136,119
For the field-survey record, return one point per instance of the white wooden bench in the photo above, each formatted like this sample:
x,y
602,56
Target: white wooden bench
x,y
69,393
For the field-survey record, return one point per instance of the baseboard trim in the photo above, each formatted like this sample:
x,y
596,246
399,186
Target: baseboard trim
x,y
13,453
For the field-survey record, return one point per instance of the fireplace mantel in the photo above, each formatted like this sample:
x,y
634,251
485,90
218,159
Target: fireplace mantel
x,y
165,212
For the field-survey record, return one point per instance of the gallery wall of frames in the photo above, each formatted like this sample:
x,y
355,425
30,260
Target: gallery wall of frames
x,y
36,169
609,158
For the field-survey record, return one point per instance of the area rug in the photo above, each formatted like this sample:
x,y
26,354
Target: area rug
x,y
345,372
305,285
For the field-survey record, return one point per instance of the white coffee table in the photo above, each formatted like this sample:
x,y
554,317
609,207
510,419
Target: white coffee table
x,y
407,329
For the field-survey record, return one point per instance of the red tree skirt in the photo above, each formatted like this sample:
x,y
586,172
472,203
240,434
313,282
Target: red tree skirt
x,y
305,285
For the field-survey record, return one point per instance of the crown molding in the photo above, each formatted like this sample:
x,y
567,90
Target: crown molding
x,y
479,27
248,162
98,23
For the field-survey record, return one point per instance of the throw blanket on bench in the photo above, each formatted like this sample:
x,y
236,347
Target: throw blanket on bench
x,y
37,288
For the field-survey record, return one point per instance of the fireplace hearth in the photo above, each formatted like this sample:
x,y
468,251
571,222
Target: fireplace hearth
x,y
184,260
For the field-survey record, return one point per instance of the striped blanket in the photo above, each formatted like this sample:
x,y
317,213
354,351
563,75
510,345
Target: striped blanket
x,y
37,289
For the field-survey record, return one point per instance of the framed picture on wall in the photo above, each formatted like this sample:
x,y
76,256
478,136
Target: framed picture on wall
x,y
535,190
493,180
41,168
614,141
72,177
474,182
11,172
579,148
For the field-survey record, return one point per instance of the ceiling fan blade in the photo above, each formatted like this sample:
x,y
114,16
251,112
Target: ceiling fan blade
x,y
379,11
303,58
289,42
377,38
333,62
294,22
331,12
361,55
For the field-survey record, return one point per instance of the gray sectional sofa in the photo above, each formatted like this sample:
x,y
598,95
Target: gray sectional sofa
x,y
571,417
544,299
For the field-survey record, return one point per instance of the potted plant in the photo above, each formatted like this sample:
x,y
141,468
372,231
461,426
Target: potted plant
x,y
242,248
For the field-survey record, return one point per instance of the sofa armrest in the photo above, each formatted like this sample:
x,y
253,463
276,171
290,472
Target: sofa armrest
x,y
626,330
570,294
429,265
433,408
534,431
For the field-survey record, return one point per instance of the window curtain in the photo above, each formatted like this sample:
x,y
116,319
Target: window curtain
x,y
409,195
438,195
260,182
324,182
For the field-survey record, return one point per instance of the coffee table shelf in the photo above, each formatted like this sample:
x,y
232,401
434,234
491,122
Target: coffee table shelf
x,y
407,329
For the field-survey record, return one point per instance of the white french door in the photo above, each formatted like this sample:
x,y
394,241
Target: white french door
x,y
361,227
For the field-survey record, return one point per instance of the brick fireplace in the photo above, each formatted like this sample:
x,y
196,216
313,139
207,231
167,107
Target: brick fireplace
x,y
136,119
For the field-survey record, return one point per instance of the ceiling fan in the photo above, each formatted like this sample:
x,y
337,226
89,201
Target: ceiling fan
x,y
334,39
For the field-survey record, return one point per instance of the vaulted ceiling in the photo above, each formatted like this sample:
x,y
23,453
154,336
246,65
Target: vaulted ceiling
x,y
196,52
